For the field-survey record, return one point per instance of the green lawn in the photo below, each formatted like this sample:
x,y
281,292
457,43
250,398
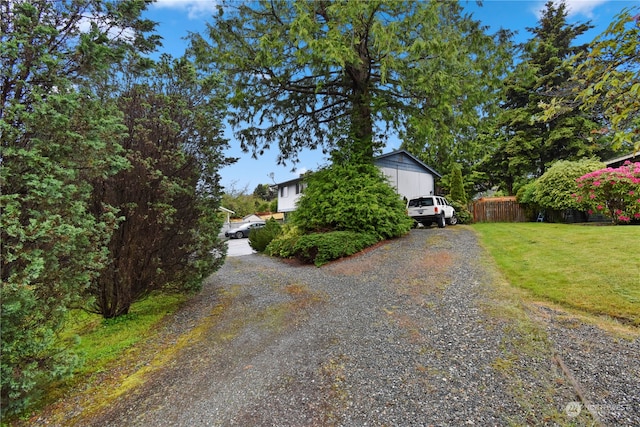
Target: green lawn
x,y
595,269
103,341
104,344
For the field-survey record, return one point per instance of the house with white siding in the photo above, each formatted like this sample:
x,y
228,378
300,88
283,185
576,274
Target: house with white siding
x,y
288,194
406,173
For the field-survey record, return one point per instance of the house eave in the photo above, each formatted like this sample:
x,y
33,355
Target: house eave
x,y
290,182
412,157
380,157
620,160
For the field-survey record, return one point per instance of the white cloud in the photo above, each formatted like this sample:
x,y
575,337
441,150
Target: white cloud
x,y
195,8
113,31
584,8
301,171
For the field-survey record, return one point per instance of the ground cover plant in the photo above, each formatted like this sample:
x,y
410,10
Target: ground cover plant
x,y
103,340
320,248
589,268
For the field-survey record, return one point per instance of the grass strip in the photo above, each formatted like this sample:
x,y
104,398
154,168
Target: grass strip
x,y
593,269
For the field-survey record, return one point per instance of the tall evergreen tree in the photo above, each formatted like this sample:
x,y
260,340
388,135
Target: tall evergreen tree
x,y
168,197
56,137
606,82
339,75
457,192
526,144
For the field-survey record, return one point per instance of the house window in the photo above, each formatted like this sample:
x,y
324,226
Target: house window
x,y
297,188
283,191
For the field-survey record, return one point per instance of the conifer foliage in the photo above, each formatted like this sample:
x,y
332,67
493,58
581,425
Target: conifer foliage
x,y
109,178
527,144
56,137
168,196
351,197
338,75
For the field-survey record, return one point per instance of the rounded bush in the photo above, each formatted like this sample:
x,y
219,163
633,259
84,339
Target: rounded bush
x,y
555,189
260,238
612,191
351,197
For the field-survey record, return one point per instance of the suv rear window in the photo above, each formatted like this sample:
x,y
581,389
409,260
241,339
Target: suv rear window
x,y
423,201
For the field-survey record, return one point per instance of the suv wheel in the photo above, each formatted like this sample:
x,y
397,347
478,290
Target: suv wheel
x,y
453,220
441,221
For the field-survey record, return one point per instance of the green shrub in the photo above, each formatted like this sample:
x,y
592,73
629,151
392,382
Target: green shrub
x,y
344,209
33,355
526,196
612,191
457,185
351,197
284,244
555,189
320,248
462,212
260,238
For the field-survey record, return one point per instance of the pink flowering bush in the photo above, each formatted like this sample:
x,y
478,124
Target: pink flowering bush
x,y
612,191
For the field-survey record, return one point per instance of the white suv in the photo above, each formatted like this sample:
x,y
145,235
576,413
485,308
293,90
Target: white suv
x,y
428,209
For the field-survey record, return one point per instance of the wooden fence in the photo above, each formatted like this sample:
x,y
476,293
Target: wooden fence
x,y
498,209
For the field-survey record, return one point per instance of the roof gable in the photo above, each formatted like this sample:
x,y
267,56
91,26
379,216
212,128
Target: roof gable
x,y
404,160
400,159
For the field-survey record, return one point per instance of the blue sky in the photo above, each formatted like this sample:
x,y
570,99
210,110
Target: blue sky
x,y
178,17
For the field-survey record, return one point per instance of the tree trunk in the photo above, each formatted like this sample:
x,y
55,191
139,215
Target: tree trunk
x,y
361,120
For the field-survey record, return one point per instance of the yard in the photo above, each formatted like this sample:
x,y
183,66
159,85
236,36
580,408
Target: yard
x,y
594,269
586,269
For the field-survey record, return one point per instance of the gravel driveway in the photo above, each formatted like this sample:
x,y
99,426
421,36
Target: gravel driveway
x,y
415,332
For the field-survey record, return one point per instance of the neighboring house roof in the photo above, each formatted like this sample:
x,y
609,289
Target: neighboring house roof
x,y
619,161
251,218
278,216
399,157
393,159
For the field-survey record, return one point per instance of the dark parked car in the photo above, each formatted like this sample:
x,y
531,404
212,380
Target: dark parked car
x,y
243,230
